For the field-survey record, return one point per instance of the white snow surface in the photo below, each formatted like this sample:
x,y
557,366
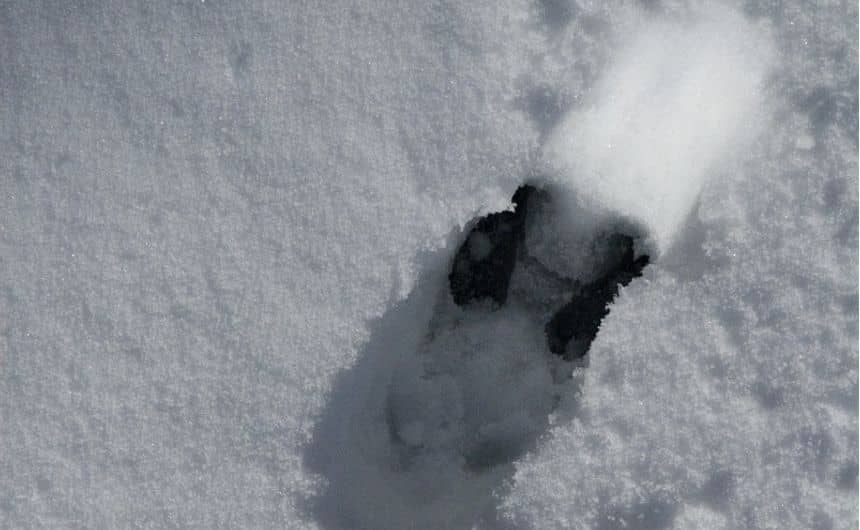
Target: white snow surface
x,y
225,231
673,107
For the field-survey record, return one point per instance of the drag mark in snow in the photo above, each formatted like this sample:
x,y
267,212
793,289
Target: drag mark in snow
x,y
678,101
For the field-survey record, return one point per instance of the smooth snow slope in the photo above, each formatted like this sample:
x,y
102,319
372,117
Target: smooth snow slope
x,y
207,207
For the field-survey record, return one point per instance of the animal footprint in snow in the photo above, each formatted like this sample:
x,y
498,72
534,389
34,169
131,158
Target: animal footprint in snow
x,y
574,326
460,379
485,263
524,286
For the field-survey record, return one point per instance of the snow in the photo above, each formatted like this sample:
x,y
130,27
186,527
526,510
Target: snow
x,y
679,99
225,232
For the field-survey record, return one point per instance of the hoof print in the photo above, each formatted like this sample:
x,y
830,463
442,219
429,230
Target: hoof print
x,y
459,380
485,261
572,329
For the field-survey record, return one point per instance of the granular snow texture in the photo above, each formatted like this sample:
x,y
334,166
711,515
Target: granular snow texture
x,y
224,227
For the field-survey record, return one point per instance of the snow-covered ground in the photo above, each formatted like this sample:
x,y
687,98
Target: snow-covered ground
x,y
226,230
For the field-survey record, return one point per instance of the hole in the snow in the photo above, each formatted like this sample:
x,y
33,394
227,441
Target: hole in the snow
x,y
459,380
485,263
574,326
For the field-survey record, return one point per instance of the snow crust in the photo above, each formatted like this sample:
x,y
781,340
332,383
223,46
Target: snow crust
x,y
225,229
